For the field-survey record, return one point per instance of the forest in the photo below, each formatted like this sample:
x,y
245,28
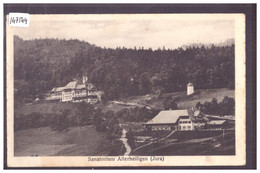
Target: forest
x,y
225,107
41,64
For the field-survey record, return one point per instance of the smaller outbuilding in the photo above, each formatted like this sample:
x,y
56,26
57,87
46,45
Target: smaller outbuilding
x,y
216,124
190,88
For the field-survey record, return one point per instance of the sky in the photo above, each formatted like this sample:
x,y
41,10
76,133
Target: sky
x,y
146,30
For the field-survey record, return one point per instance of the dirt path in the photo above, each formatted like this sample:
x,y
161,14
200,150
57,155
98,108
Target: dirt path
x,y
124,140
129,104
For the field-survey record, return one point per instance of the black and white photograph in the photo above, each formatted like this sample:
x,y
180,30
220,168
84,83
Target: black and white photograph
x,y
118,88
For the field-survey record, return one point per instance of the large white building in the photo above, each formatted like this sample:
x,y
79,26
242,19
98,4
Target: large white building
x,y
76,91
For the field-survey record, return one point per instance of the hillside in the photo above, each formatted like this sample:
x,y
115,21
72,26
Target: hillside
x,y
76,141
203,96
42,64
150,100
184,101
192,143
46,108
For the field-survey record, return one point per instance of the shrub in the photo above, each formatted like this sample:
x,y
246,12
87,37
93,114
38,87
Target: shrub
x,y
225,107
170,103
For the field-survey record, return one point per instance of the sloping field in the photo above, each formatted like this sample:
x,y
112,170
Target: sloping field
x,y
45,108
186,143
147,100
184,101
203,96
76,141
113,107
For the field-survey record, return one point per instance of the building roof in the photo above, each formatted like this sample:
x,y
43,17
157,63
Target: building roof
x,y
216,122
82,86
172,116
71,85
168,117
184,117
189,84
75,85
59,89
54,89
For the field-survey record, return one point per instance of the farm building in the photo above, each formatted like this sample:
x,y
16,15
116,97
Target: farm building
x,y
181,120
76,91
217,124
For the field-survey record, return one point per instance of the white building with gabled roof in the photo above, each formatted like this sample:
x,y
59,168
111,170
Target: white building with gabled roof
x,y
166,120
181,120
76,91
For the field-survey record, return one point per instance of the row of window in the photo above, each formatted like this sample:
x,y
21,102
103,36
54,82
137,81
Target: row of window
x,y
80,92
168,128
161,128
56,94
75,94
67,98
185,127
70,96
184,122
69,93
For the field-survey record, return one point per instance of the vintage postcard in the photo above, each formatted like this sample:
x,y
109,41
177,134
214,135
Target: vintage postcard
x,y
124,90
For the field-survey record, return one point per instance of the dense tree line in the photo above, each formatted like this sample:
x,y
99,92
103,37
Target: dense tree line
x,y
170,103
85,114
109,121
45,63
225,107
137,114
58,121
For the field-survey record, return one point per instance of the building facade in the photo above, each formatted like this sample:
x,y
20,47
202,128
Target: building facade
x,y
76,91
185,123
